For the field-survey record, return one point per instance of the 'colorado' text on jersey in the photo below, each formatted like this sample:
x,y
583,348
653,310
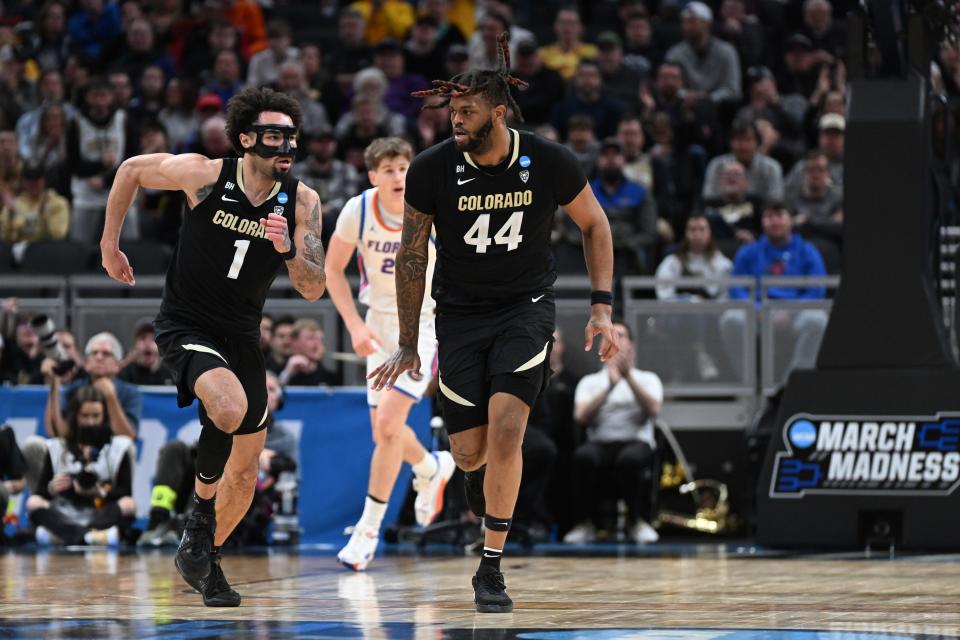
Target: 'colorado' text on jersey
x,y
224,264
364,223
493,224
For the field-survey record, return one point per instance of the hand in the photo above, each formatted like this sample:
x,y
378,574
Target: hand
x,y
744,236
600,325
403,359
60,483
10,305
623,364
277,232
80,491
46,368
823,81
296,364
800,220
646,99
106,386
364,340
117,265
613,373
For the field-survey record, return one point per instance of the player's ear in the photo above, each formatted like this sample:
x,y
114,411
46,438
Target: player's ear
x,y
500,111
247,141
372,177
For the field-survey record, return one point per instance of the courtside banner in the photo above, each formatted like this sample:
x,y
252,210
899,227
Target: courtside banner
x,y
868,455
333,426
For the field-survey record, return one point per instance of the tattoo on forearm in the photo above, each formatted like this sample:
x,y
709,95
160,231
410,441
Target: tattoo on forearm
x,y
307,270
412,260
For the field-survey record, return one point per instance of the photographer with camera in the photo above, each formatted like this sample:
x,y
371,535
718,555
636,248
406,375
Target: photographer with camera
x,y
85,487
101,365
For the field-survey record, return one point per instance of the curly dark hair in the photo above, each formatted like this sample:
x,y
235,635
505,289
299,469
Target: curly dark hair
x,y
245,107
493,85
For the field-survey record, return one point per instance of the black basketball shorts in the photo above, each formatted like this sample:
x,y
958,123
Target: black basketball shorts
x,y
189,352
506,349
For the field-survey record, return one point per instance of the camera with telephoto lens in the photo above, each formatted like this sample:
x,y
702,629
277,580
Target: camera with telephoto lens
x,y
46,332
86,479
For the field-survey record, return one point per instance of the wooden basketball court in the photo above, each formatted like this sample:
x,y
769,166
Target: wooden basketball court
x,y
684,591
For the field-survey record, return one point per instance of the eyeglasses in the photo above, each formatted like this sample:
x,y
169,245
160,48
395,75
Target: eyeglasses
x,y
100,352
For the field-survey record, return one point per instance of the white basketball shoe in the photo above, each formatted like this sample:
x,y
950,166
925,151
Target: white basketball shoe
x,y
360,549
429,500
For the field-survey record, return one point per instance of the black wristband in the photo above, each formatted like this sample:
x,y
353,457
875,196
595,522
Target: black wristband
x,y
290,255
601,297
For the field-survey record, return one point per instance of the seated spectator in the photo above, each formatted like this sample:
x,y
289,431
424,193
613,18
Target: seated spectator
x,y
388,57
175,474
145,368
535,105
48,43
637,167
225,79
281,344
765,104
800,68
34,214
588,99
617,405
52,93
48,148
293,82
564,55
349,52
641,52
333,179
778,252
10,162
630,208
764,176
177,115
264,69
734,213
266,333
101,365
141,51
305,367
818,208
678,173
693,118
696,257
583,143
384,18
457,60
212,140
122,87
93,26
830,142
620,82
743,31
433,124
711,66
564,432
819,27
422,53
87,479
483,46
448,33
368,120
150,98
22,355
13,470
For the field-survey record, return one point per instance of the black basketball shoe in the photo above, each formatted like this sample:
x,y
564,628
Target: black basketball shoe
x,y
196,546
490,592
473,488
216,590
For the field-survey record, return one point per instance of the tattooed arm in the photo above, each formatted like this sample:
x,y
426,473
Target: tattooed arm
x,y
191,173
306,269
411,279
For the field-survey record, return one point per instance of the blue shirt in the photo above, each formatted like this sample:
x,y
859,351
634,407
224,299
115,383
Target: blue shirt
x,y
795,258
90,33
127,394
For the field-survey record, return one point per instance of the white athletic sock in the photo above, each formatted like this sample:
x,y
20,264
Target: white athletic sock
x,y
373,512
427,466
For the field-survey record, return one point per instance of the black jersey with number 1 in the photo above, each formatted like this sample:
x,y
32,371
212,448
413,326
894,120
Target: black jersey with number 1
x,y
493,223
224,264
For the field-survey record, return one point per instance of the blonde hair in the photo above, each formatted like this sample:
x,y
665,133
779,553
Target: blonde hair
x,y
384,148
304,324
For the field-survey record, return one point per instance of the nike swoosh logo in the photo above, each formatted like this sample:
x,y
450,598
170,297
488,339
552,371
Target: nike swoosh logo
x,y
462,182
205,477
537,299
226,199
489,555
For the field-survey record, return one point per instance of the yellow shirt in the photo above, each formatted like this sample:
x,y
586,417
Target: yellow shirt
x,y
392,20
565,62
47,218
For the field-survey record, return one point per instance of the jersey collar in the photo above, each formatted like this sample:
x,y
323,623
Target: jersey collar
x,y
273,192
515,138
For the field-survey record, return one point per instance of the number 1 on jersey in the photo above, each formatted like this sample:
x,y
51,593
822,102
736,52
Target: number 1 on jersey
x,y
509,234
242,246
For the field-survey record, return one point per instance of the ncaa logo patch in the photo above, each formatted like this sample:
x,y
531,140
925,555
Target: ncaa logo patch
x,y
282,198
524,161
278,211
524,175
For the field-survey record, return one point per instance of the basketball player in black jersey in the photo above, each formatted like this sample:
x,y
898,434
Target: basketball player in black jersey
x,y
491,193
246,217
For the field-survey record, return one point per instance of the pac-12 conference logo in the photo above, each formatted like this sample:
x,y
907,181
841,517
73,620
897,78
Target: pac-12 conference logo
x,y
868,455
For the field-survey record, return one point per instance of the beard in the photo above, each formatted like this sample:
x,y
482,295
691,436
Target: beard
x,y
476,140
611,175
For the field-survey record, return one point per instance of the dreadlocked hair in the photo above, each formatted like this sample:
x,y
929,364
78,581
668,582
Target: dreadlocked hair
x,y
492,85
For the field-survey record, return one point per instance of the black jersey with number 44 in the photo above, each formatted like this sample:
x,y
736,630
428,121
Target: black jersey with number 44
x,y
224,264
493,223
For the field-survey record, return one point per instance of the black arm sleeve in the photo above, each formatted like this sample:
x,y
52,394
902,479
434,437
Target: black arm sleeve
x,y
421,185
124,484
566,173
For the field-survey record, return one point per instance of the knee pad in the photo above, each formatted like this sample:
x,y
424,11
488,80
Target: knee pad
x,y
213,449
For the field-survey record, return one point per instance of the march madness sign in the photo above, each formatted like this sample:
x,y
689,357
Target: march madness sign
x,y
868,455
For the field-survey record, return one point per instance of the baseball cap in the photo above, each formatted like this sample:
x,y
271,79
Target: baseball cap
x,y
832,121
697,10
31,171
611,143
759,72
526,47
799,41
457,52
608,39
388,45
209,101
